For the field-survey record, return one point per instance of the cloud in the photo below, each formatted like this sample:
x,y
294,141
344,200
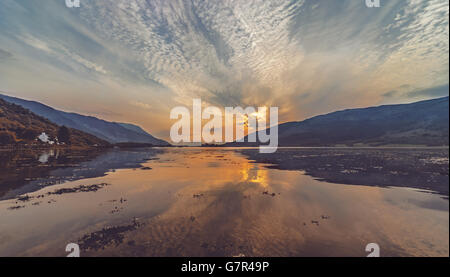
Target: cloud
x,y
5,55
305,56
141,105
430,92
59,51
409,92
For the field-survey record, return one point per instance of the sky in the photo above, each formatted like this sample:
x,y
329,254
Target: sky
x,y
134,60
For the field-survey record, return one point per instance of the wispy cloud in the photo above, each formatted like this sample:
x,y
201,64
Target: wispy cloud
x,y
54,49
4,55
307,56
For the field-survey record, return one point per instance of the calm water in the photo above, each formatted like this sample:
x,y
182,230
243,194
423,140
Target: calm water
x,y
205,202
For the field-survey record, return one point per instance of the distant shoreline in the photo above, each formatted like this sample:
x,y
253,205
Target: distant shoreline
x,y
144,145
10,147
52,147
333,147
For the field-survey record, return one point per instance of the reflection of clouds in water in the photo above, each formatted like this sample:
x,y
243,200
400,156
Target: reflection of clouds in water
x,y
253,173
230,216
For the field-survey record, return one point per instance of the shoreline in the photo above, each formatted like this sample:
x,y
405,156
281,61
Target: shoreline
x,y
41,147
133,146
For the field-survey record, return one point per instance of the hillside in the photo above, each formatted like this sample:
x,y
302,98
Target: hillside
x,y
20,126
112,132
420,123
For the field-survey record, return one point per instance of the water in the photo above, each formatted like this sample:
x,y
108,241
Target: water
x,y
214,202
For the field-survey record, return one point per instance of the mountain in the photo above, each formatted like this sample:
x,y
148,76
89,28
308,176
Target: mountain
x,y
419,123
20,126
112,132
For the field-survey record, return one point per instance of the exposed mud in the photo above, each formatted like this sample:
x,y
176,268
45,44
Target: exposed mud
x,y
426,168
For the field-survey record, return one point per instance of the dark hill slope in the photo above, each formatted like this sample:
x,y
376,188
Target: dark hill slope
x,y
112,132
419,123
20,126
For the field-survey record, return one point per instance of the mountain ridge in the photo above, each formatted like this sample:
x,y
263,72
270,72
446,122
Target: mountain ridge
x,y
418,123
113,132
21,126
